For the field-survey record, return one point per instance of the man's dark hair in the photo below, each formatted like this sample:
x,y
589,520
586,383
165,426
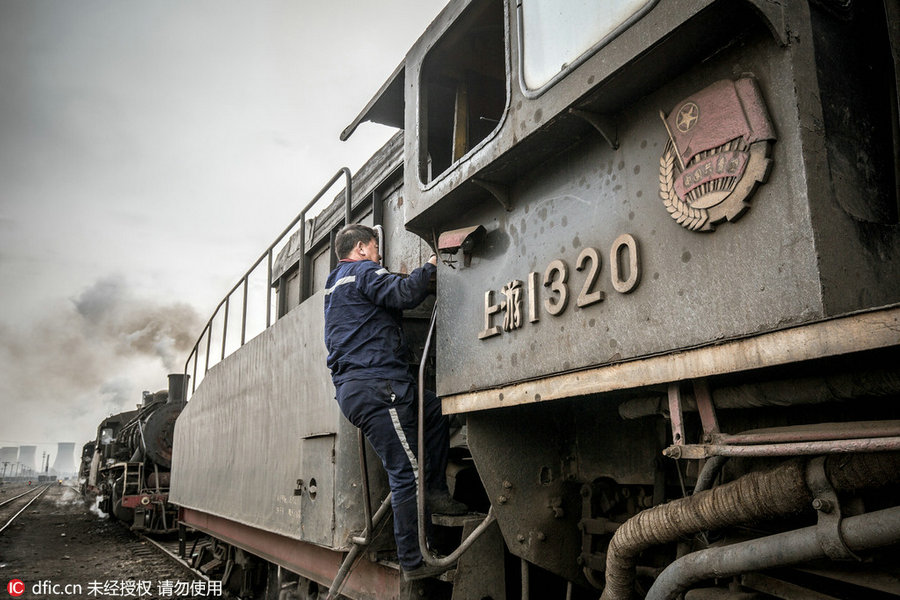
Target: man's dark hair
x,y
347,238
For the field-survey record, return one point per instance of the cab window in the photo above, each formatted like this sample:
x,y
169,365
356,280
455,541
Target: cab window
x,y
555,36
463,88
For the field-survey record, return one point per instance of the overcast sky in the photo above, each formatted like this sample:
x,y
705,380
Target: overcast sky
x,y
150,150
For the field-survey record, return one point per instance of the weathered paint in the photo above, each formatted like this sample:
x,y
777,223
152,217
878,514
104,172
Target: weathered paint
x,y
261,427
367,581
864,331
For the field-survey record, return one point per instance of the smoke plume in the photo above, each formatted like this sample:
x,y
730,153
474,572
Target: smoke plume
x,y
88,358
136,327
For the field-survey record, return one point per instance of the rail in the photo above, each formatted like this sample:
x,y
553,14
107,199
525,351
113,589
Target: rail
x,y
171,549
224,307
24,508
14,498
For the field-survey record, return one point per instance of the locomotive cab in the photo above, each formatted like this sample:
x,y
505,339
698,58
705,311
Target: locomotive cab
x,y
690,260
666,315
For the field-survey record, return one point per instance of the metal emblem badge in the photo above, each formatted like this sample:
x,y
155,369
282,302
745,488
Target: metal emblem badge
x,y
720,140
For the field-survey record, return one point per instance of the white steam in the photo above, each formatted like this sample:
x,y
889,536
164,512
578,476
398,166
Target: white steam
x,y
95,508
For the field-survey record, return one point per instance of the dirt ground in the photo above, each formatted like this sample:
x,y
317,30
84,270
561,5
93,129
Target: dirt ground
x,y
59,548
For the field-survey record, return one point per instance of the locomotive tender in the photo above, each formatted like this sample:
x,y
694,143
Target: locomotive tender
x,y
667,323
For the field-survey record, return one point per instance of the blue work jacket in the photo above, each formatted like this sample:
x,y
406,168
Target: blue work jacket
x,y
363,308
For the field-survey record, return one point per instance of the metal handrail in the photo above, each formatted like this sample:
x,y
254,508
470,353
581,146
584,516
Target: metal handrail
x,y
244,281
367,502
464,545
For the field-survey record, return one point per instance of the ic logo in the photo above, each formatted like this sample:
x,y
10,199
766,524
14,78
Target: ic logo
x,y
15,587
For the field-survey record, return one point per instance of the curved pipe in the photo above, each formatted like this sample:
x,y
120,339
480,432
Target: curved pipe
x,y
709,472
752,498
427,557
862,532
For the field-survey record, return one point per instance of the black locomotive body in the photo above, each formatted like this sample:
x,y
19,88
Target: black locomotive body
x,y
668,318
126,469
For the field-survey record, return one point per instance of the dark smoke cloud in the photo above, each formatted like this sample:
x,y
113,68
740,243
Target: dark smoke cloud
x,y
137,327
87,358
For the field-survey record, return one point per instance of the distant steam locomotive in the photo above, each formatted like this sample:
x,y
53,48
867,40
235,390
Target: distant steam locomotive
x,y
128,465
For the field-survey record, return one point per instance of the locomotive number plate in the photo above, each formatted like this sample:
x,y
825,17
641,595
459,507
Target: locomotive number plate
x,y
519,300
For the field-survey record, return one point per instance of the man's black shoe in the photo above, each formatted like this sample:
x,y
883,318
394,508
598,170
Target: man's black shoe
x,y
423,571
443,504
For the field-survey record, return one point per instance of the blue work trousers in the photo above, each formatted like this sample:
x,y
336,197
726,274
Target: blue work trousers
x,y
387,413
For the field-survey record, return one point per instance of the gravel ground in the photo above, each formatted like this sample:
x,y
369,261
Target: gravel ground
x,y
59,548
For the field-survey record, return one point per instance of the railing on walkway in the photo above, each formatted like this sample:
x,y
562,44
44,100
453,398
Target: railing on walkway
x,y
217,326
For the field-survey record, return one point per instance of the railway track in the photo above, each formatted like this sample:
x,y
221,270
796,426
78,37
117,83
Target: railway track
x,y
57,546
11,508
170,549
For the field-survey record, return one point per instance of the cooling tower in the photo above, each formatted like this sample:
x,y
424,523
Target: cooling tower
x,y
27,456
9,454
65,458
8,457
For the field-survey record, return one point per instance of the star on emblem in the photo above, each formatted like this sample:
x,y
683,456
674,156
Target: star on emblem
x,y
687,117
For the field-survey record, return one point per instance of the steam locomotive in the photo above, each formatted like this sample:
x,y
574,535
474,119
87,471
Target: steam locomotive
x,y
125,470
666,323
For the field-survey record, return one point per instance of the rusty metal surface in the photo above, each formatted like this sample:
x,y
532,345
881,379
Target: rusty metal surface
x,y
451,241
800,440
480,571
696,451
706,408
812,433
828,512
368,581
533,460
676,415
523,504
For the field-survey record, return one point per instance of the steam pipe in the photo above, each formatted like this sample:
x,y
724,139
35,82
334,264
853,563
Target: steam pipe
x,y
709,472
875,444
427,557
752,498
862,532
